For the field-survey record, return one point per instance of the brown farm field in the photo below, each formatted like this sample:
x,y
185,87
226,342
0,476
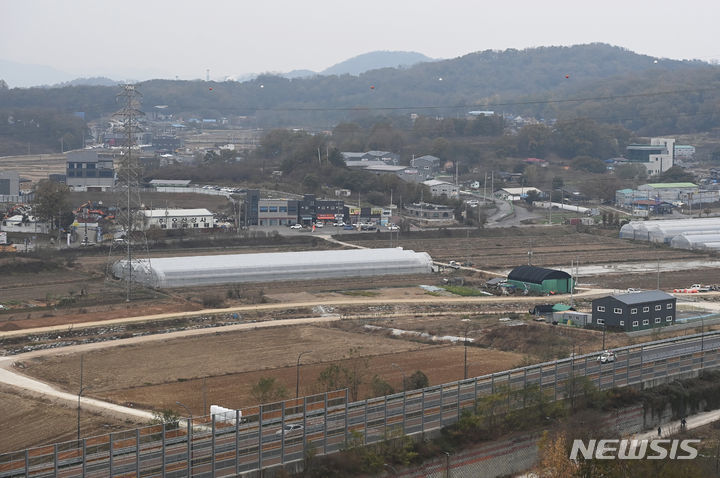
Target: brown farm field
x,y
221,367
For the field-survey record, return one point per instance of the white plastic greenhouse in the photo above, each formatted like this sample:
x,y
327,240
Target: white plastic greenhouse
x,y
663,231
696,241
168,272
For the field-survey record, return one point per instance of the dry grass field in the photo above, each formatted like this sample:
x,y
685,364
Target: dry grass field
x,y
220,368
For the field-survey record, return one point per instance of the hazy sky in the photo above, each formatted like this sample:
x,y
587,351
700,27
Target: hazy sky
x,y
140,39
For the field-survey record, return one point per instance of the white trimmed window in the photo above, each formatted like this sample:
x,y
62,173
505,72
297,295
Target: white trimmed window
x,y
617,310
646,309
622,323
635,323
658,307
646,321
601,321
633,310
657,320
669,306
668,318
601,308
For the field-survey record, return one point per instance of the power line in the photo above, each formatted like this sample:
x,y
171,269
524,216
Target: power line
x,y
486,105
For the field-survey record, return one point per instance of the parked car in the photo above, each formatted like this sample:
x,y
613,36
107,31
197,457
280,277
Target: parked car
x,y
296,226
393,227
319,224
606,356
290,429
338,224
348,227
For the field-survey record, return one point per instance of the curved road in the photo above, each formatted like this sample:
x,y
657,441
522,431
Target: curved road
x,y
9,375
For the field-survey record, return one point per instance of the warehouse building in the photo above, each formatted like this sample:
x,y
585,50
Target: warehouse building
x,y
169,272
539,280
634,311
179,218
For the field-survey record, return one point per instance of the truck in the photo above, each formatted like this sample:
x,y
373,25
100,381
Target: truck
x,y
454,265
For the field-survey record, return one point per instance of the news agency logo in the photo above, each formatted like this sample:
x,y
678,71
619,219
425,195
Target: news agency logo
x,y
625,449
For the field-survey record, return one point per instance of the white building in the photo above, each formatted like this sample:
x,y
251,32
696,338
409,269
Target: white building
x,y
439,188
515,194
657,157
26,224
178,218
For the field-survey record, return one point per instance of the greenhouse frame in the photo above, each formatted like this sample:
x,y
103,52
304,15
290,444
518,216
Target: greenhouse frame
x,y
699,233
168,272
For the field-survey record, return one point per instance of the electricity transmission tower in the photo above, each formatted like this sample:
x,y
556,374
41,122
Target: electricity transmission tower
x,y
132,243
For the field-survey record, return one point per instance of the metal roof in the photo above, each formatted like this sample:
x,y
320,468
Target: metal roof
x,y
642,297
176,212
536,275
280,266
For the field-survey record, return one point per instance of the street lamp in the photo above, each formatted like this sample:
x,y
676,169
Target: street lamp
x,y
402,372
297,373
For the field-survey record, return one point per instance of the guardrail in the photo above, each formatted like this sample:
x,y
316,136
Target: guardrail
x,y
215,446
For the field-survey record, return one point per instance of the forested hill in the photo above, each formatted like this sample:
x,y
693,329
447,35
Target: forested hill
x,y
615,85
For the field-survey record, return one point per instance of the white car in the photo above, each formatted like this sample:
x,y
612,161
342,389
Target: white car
x,y
296,226
290,429
606,356
338,224
393,227
319,224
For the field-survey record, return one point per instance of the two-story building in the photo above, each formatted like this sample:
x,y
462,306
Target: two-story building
x,y
634,311
442,188
87,170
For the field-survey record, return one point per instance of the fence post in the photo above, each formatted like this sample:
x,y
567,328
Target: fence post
x,y
237,442
325,425
212,443
385,417
137,452
556,380
442,405
365,430
82,454
189,446
260,438
475,392
642,361
492,382
163,450
304,405
282,432
627,367
111,453
422,415
458,401
404,410
347,423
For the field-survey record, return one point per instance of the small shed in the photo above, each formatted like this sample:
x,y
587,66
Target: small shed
x,y
540,280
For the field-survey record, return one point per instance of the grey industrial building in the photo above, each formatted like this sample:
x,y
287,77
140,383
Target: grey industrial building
x,y
634,311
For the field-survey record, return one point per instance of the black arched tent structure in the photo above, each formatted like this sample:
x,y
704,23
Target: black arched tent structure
x,y
540,280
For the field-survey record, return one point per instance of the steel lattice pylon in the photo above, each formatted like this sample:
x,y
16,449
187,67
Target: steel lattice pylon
x,y
129,260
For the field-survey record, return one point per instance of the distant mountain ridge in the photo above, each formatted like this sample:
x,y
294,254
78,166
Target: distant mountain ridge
x,y
598,81
376,60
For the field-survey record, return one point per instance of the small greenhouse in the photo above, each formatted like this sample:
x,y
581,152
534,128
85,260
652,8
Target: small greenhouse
x,y
167,272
